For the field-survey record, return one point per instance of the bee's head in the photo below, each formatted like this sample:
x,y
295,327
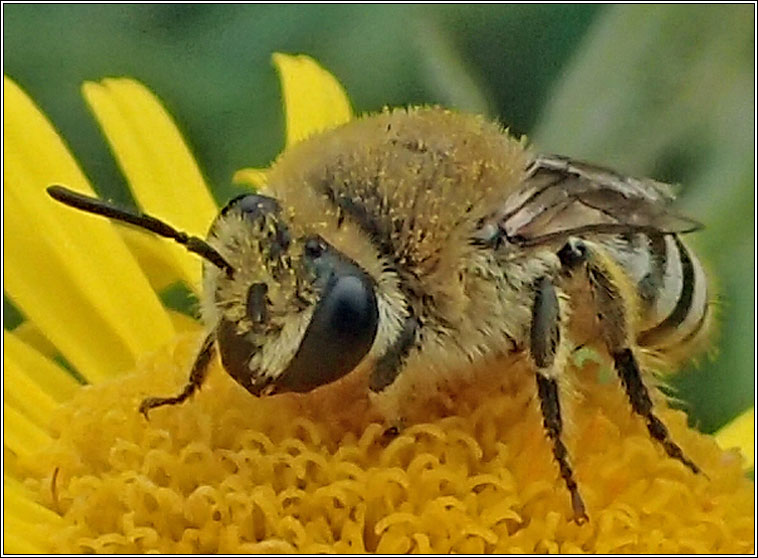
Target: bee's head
x,y
296,313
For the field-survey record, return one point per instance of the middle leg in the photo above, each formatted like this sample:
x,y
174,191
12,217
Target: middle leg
x,y
545,348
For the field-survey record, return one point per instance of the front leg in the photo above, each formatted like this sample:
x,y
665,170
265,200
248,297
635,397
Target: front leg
x,y
545,340
196,379
390,364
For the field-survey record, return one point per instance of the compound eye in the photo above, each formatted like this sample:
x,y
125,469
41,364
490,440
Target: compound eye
x,y
253,206
261,210
340,334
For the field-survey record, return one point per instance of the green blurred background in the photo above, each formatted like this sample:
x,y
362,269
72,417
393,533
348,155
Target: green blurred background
x,y
663,91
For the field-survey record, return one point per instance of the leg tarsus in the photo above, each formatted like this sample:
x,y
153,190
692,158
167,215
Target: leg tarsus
x,y
547,389
391,432
580,512
197,376
152,402
637,393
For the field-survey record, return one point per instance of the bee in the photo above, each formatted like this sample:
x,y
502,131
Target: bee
x,y
426,241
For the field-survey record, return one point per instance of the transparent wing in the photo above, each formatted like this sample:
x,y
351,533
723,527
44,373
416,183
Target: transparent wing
x,y
562,197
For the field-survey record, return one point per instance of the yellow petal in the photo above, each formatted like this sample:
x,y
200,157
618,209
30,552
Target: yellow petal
x,y
314,100
32,336
254,177
17,541
26,396
155,257
26,524
22,436
155,159
183,323
51,378
72,274
23,506
740,434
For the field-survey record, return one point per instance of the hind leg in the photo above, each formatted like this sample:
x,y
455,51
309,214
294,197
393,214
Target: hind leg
x,y
613,317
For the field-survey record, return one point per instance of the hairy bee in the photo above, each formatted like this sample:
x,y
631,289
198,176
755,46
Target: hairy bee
x,y
429,240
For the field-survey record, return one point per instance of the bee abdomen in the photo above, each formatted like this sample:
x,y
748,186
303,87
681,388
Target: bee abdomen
x,y
671,285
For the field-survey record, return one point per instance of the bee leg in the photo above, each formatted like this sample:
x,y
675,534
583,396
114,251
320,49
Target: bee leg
x,y
614,326
394,430
545,339
390,364
391,432
388,367
197,376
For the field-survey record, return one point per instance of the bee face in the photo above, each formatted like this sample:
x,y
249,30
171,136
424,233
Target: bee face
x,y
298,314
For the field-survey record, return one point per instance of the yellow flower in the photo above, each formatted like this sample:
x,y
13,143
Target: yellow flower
x,y
227,472
740,434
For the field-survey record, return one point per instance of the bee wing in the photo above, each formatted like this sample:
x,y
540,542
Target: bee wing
x,y
562,197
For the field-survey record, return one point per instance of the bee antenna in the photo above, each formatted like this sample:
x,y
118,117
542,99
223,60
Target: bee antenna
x,y
141,220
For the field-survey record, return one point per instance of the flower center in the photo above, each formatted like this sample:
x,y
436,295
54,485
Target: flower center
x,y
226,472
